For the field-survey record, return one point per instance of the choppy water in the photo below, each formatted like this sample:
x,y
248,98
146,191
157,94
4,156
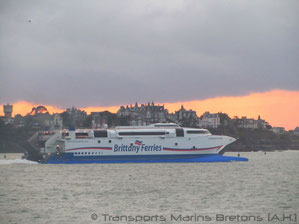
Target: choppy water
x,y
38,193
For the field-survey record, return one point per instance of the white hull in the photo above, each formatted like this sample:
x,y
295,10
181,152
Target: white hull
x,y
124,142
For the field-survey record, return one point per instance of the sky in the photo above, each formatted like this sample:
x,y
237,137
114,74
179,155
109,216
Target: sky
x,y
109,53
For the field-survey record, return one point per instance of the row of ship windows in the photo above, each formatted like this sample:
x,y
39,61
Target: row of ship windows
x,y
179,133
88,153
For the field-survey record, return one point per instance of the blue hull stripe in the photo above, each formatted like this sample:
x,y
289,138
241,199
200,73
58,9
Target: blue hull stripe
x,y
69,158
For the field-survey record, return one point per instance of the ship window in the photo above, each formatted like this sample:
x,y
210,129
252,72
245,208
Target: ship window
x,y
99,141
179,132
141,133
82,135
64,134
176,144
197,132
109,141
100,134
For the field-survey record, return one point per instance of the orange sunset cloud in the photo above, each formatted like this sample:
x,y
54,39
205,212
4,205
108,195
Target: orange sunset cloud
x,y
278,107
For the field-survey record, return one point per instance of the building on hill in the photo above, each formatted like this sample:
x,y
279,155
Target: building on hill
x,y
261,123
296,131
150,113
99,120
76,112
245,122
186,117
7,118
278,130
55,122
209,120
7,109
186,114
46,121
173,117
77,116
19,121
251,123
144,114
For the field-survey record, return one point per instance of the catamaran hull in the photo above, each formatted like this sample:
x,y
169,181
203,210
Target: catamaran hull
x,y
150,144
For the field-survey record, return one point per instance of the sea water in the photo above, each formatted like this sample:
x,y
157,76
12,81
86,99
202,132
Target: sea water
x,y
263,190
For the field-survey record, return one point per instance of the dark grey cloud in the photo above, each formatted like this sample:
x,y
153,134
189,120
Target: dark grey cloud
x,y
104,53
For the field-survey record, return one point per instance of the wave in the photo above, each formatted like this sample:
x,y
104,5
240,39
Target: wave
x,y
12,161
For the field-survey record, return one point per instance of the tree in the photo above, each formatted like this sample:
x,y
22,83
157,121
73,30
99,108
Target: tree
x,y
224,119
67,120
87,122
1,123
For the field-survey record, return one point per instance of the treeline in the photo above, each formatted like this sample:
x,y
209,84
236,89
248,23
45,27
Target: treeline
x,y
258,139
14,139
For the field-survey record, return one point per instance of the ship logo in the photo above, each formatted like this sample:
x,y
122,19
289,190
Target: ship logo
x,y
137,142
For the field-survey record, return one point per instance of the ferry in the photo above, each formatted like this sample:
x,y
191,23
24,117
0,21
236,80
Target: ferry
x,y
156,143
